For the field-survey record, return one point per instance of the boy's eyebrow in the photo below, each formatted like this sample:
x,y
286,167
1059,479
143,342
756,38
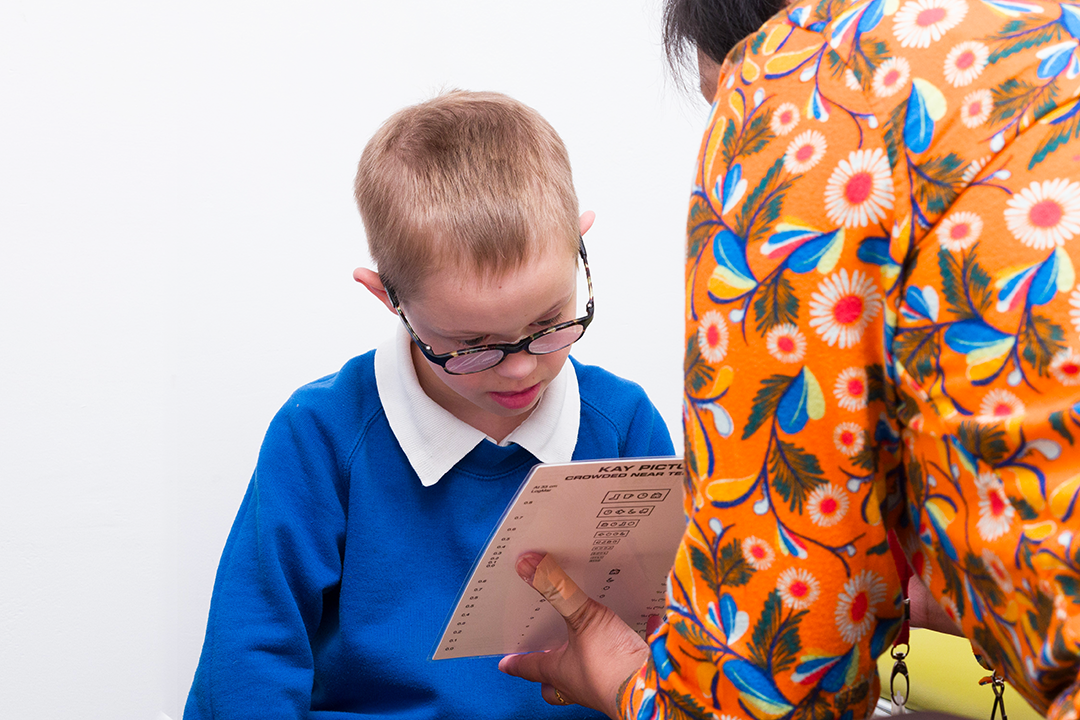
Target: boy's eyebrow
x,y
475,333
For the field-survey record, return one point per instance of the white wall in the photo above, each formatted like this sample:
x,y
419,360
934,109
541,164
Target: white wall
x,y
177,235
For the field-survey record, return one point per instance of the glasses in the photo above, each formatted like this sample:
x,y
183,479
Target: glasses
x,y
484,357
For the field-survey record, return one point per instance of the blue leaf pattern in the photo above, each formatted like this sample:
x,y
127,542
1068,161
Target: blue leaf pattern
x,y
893,214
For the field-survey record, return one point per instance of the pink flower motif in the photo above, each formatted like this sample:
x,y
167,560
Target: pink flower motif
x,y
786,343
860,190
959,230
842,307
965,62
798,588
1066,367
921,22
891,76
849,438
758,553
976,107
856,608
1045,214
784,119
713,337
998,405
995,511
851,388
996,567
827,505
804,152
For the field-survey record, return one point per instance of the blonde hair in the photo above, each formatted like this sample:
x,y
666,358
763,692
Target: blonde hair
x,y
474,181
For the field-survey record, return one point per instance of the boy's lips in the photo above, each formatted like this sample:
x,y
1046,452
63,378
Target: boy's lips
x,y
519,399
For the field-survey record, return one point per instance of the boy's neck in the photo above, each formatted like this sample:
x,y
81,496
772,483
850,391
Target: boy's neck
x,y
497,427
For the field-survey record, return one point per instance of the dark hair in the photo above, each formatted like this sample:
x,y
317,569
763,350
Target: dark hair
x,y
712,26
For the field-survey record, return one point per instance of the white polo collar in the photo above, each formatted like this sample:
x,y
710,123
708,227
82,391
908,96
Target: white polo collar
x,y
435,441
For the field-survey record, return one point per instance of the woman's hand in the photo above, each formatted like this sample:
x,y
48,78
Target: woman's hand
x,y
601,651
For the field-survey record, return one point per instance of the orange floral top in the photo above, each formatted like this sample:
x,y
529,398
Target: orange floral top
x,y
883,331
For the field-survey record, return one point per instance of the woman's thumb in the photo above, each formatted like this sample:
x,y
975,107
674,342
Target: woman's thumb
x,y
548,579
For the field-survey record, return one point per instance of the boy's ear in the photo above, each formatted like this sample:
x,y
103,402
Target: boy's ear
x,y
586,220
371,280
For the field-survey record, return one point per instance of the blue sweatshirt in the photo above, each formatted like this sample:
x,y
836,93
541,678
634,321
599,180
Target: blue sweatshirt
x,y
341,568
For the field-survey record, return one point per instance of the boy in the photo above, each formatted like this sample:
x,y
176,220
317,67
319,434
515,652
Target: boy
x,y
377,487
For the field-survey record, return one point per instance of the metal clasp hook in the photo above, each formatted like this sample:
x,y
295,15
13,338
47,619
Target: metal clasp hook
x,y
997,682
899,668
999,697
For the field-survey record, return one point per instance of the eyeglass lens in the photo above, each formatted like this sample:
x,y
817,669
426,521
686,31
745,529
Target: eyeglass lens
x,y
556,341
476,362
473,362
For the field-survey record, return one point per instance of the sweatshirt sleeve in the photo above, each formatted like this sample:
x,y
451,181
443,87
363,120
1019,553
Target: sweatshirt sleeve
x,y
283,553
618,418
648,434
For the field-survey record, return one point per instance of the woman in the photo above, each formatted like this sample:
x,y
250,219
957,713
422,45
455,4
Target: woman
x,y
883,332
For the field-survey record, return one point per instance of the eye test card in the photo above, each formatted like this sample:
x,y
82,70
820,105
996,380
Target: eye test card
x,y
613,526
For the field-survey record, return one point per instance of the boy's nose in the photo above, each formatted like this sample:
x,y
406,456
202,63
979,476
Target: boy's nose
x,y
516,365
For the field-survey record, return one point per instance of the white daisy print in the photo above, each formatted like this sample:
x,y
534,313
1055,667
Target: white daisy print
x,y
1045,214
786,343
1066,367
849,438
804,152
857,606
758,553
891,76
998,405
841,308
972,171
995,511
965,62
1074,301
851,388
850,81
976,107
860,189
996,567
828,505
798,588
959,230
713,336
921,22
949,606
784,119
